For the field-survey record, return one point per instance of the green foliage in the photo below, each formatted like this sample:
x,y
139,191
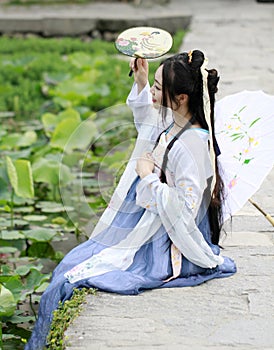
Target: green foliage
x,y
63,46
18,140
20,175
31,67
15,288
67,131
177,41
64,316
47,171
28,64
7,302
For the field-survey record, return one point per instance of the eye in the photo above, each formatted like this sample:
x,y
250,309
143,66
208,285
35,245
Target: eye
x,y
157,87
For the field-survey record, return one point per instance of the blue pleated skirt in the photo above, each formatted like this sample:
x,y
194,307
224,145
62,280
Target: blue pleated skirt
x,y
150,267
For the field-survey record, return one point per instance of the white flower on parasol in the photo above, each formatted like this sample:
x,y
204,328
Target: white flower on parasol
x,y
244,127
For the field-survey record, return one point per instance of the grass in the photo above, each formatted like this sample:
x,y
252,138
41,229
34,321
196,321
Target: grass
x,y
64,316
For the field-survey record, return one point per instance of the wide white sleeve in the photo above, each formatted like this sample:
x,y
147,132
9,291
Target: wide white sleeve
x,y
141,105
177,206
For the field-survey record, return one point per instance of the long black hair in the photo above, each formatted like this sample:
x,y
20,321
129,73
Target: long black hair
x,y
182,75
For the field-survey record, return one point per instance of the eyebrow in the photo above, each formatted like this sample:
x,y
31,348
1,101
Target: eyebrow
x,y
157,82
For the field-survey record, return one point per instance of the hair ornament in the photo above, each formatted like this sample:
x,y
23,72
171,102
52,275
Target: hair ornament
x,y
206,103
190,56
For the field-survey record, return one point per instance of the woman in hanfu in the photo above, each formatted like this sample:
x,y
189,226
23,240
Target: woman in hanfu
x,y
162,226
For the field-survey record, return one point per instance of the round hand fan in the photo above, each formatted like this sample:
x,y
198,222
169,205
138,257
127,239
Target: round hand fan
x,y
144,42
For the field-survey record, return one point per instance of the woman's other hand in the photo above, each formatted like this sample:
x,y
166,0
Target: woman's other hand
x,y
145,165
139,67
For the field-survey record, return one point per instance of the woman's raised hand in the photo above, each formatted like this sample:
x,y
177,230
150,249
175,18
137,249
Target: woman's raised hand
x,y
145,165
139,67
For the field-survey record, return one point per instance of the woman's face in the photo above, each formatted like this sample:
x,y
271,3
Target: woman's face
x,y
156,88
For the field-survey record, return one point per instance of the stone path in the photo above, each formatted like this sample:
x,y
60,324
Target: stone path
x,y
227,313
236,312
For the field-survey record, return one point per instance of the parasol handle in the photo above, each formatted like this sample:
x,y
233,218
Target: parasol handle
x,y
270,219
267,216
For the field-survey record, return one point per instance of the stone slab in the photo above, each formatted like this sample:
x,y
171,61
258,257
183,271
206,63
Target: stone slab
x,y
77,25
68,26
21,25
241,238
71,20
234,312
169,22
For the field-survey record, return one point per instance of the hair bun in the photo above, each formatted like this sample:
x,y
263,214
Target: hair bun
x,y
212,80
197,59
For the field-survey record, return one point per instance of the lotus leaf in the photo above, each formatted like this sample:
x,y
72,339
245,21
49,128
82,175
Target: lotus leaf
x,y
14,284
7,302
11,235
81,60
45,170
20,176
40,234
35,217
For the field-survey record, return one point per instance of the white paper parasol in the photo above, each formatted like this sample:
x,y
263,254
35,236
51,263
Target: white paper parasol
x,y
244,127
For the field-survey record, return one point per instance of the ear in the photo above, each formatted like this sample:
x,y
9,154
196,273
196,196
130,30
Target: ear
x,y
183,99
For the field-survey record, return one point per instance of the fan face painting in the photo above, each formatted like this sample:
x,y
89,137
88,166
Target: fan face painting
x,y
145,42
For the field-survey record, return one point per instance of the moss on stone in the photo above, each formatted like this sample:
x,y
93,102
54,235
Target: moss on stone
x,y
64,316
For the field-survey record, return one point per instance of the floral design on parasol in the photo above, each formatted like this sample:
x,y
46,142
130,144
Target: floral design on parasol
x,y
244,127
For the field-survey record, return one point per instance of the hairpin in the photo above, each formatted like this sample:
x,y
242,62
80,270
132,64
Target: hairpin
x,y
190,56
